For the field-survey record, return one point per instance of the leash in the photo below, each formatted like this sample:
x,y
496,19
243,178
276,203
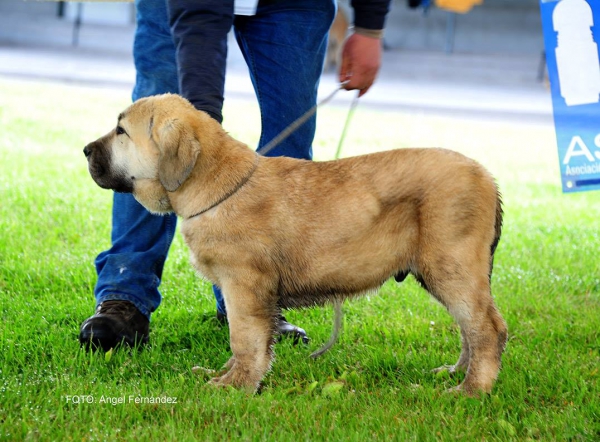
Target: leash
x,y
346,124
304,117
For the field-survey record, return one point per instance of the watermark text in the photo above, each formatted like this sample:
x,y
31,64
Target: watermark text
x,y
120,400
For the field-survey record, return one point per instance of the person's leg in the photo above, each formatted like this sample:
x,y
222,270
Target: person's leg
x,y
200,32
284,46
132,268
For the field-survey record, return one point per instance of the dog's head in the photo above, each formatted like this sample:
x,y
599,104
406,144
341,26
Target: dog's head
x,y
151,151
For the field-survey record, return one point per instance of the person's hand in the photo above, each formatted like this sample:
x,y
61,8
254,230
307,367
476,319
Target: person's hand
x,y
361,59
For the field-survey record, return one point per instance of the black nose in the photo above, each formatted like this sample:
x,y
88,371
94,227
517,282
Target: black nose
x,y
87,151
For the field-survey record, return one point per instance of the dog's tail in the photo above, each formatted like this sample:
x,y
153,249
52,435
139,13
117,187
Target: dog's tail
x,y
338,315
497,230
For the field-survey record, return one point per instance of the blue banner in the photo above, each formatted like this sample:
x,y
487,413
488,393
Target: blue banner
x,y
571,38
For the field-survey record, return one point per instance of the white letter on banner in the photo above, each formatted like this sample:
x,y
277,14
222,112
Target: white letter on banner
x,y
597,143
571,152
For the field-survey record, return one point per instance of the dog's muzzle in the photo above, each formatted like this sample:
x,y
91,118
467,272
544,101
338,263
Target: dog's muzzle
x,y
87,150
99,167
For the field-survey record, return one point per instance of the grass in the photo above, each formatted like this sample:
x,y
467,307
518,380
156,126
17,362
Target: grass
x,y
375,384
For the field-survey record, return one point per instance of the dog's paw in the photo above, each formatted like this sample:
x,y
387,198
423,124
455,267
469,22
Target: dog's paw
x,y
454,390
236,378
228,365
467,390
216,381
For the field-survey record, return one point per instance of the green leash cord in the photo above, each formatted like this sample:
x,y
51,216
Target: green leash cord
x,y
346,124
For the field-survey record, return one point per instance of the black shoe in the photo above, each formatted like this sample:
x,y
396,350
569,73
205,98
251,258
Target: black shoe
x,y
115,322
284,328
222,318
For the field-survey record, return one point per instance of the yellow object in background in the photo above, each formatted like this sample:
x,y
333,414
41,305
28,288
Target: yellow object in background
x,y
460,6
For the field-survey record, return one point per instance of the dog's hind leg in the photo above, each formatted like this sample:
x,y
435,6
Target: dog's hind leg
x,y
464,288
463,361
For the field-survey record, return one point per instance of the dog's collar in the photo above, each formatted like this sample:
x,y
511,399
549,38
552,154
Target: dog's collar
x,y
232,191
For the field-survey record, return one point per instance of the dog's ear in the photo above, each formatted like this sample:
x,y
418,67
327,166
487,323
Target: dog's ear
x,y
179,150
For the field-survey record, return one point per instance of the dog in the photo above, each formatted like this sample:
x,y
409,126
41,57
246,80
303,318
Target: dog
x,y
279,232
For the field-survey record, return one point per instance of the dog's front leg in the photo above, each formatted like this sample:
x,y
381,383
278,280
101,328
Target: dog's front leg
x,y
251,328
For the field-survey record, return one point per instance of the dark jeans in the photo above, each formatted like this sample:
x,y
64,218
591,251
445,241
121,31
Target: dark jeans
x,y
284,47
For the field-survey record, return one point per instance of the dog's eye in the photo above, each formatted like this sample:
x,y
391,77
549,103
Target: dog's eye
x,y
120,130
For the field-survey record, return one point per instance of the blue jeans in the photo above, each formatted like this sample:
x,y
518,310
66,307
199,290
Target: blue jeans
x,y
284,46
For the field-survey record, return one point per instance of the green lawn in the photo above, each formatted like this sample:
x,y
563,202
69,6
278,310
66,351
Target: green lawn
x,y
375,384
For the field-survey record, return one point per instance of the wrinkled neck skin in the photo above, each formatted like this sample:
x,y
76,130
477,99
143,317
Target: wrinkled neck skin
x,y
151,194
222,165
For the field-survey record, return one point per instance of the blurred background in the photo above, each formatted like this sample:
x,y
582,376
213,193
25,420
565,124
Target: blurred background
x,y
488,61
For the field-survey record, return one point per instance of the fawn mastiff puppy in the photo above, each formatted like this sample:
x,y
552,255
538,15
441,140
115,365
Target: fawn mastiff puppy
x,y
284,233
